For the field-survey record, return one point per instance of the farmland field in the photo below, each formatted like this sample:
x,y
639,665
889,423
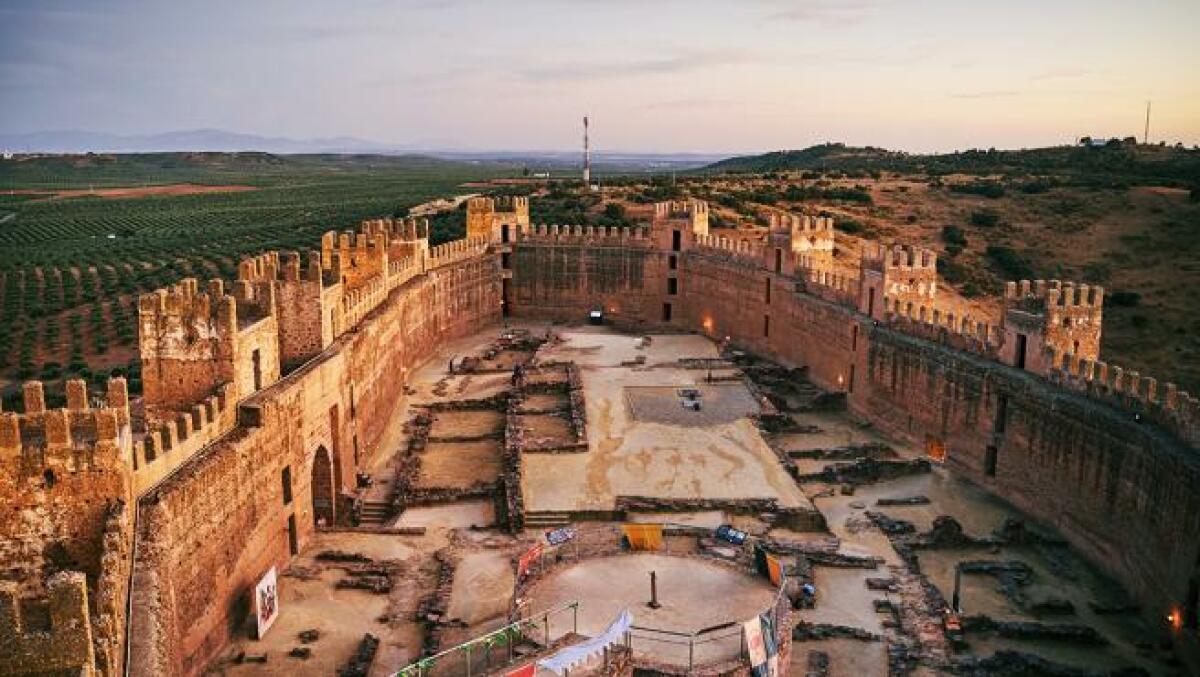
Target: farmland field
x,y
74,254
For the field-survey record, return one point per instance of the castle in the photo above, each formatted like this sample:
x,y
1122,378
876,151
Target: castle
x,y
263,402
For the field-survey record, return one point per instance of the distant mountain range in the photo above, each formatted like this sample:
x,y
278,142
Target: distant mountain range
x,y
216,140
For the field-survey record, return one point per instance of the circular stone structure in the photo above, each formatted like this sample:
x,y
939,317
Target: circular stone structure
x,y
693,594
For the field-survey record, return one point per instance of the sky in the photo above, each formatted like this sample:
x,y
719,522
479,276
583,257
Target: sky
x,y
654,75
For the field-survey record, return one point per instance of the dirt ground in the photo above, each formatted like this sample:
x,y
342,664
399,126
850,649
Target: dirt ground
x,y
686,588
630,457
459,464
466,423
134,192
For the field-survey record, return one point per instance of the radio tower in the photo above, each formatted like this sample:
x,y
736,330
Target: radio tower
x,y
587,156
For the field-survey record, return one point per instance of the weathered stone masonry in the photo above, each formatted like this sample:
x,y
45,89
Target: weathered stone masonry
x,y
263,402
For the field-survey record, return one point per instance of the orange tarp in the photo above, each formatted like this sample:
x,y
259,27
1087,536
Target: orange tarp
x,y
644,536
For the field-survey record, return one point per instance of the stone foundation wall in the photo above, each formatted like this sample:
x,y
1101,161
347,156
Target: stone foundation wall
x,y
214,528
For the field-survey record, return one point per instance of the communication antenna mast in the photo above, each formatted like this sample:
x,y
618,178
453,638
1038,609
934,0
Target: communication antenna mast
x,y
1146,134
587,155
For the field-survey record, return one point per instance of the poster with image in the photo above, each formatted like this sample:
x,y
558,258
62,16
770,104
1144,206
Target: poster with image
x,y
266,602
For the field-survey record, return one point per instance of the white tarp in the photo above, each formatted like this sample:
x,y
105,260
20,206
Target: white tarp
x,y
580,653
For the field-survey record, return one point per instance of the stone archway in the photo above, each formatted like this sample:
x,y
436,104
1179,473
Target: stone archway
x,y
322,488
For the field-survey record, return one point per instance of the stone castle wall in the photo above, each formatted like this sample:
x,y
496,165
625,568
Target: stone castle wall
x,y
247,392
193,581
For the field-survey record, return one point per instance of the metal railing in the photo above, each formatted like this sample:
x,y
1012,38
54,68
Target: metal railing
x,y
714,644
476,656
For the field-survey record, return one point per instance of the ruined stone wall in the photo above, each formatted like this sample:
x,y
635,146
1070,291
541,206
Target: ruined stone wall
x,y
210,531
1121,491
565,277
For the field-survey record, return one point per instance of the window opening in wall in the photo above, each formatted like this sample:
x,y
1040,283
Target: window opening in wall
x,y
256,358
504,234
1001,414
768,291
355,441
287,484
353,409
766,325
672,261
676,240
854,338
293,538
505,263
850,387
1021,341
871,302
666,312
672,286
779,260
989,461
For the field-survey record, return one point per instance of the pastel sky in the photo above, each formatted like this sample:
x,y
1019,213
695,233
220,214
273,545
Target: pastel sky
x,y
666,75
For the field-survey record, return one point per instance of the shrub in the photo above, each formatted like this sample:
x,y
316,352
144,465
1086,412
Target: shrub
x,y
985,218
1123,299
848,225
1012,263
954,235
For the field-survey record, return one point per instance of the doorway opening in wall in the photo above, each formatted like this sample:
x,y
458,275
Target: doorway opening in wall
x,y
505,296
672,286
850,383
676,240
871,302
322,488
1022,340
256,358
778,260
766,326
989,461
286,480
666,313
504,236
935,448
1001,423
672,262
293,538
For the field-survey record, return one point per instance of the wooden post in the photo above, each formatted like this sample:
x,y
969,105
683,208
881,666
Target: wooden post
x,y
654,590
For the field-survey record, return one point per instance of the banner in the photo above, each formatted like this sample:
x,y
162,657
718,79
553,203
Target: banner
x,y
523,671
774,570
643,536
755,647
266,602
575,654
528,559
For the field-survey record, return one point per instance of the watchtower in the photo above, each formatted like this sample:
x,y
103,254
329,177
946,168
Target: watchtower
x,y
65,648
497,219
896,279
677,222
1047,322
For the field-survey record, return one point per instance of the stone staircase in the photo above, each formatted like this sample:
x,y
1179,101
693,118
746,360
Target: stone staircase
x,y
374,513
546,519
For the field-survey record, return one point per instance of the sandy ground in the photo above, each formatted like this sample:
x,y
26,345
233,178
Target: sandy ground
x,y
630,457
686,589
483,588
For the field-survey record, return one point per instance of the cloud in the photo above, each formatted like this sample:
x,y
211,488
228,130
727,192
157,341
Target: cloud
x,y
987,94
670,65
827,12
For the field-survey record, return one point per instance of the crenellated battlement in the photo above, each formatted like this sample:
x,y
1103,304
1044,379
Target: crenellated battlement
x,y
959,331
73,438
1065,317
680,209
609,235
826,284
488,216
1168,406
1053,293
183,304
65,647
158,451
897,257
747,252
